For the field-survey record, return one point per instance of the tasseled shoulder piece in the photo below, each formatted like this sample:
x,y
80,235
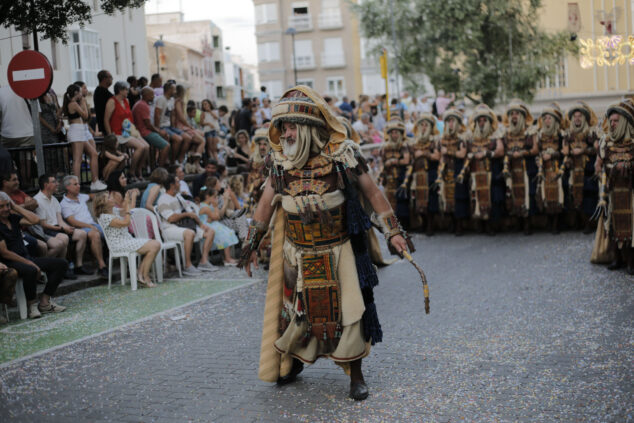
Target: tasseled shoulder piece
x,y
498,134
345,153
531,130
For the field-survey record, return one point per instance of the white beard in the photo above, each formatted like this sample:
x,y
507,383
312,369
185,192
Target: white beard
x,y
290,150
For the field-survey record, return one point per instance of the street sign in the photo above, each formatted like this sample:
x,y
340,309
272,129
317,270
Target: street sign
x,y
30,74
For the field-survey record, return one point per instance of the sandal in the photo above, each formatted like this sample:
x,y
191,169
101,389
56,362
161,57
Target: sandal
x,y
146,284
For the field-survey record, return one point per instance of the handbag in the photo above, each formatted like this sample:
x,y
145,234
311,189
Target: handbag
x,y
602,252
185,222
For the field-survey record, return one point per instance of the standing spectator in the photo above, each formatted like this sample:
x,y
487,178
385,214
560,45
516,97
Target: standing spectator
x,y
378,121
267,112
174,210
156,83
209,122
15,255
442,102
211,169
257,112
263,94
134,94
142,82
51,126
111,158
75,211
117,113
197,143
17,127
101,97
150,133
362,127
164,119
75,109
223,121
90,134
50,213
346,108
115,225
245,119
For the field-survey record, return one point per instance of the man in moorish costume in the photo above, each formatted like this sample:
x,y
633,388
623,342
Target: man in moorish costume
x,y
616,162
426,152
582,142
520,169
484,164
396,159
454,194
256,176
552,150
319,299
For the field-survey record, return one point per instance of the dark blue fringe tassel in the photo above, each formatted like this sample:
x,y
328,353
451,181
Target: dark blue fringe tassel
x,y
358,221
371,326
365,271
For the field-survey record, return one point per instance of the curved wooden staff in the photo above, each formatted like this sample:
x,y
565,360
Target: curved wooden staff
x,y
422,276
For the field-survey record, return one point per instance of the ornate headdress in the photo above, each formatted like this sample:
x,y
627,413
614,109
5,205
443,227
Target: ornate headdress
x,y
624,108
455,113
520,106
425,117
555,111
302,105
394,124
582,106
482,110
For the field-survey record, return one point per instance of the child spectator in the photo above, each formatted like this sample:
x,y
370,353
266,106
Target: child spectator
x,y
111,158
209,122
210,215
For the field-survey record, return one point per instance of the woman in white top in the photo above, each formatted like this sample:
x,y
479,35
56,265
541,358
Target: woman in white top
x,y
76,110
114,223
209,122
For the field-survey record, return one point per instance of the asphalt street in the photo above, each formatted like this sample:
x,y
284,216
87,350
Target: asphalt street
x,y
521,329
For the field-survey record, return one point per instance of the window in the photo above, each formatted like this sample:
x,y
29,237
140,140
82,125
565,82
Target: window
x,y
274,88
54,54
308,82
216,41
330,15
559,79
218,66
335,86
304,52
117,59
299,8
332,55
269,52
133,57
85,56
220,93
265,13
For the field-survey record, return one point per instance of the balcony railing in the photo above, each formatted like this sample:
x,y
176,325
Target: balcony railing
x,y
304,62
303,22
330,20
330,60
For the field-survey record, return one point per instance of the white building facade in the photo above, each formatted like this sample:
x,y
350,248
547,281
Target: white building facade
x,y
116,43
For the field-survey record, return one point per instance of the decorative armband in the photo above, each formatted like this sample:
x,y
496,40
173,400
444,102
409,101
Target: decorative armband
x,y
257,230
390,226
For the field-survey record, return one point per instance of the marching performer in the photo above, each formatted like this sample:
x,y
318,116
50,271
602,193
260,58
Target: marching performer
x,y
426,152
520,169
397,169
319,299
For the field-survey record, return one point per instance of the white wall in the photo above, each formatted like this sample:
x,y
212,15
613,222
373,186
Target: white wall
x,y
127,28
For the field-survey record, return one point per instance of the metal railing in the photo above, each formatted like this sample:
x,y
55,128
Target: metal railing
x,y
303,62
302,22
330,60
58,160
330,20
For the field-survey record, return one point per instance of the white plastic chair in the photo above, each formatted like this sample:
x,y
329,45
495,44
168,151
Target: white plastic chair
x,y
126,259
20,297
139,222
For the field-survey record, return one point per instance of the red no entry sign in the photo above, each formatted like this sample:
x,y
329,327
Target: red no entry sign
x,y
30,74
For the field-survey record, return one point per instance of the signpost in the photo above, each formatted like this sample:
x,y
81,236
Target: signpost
x,y
30,76
384,75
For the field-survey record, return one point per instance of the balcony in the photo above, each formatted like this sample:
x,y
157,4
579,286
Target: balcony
x,y
304,62
330,20
301,22
332,60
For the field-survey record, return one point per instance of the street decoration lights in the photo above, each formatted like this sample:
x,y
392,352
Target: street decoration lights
x,y
607,51
157,44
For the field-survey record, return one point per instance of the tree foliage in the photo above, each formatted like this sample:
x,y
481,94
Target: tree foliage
x,y
463,45
51,18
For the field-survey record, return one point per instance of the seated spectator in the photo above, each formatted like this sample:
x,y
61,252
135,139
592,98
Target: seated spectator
x,y
34,237
179,222
183,187
209,122
211,169
236,183
210,214
362,127
8,279
239,157
153,191
118,120
50,213
233,216
117,186
111,157
115,224
75,211
197,144
164,119
150,133
15,255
